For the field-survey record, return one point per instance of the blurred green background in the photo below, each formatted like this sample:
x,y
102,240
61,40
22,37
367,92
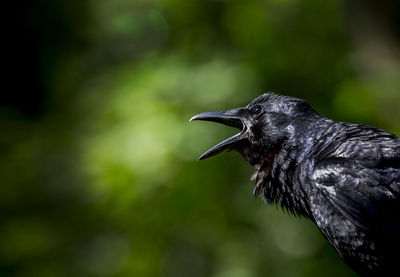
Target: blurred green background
x,y
98,160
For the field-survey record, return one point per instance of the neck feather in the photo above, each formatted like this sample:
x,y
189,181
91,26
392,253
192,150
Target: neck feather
x,y
277,179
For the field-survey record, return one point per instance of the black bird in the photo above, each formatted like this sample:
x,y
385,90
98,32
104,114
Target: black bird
x,y
345,177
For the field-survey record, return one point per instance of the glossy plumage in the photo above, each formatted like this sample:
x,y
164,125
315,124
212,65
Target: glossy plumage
x,y
343,176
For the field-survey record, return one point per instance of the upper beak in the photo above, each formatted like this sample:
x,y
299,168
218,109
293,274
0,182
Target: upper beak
x,y
231,118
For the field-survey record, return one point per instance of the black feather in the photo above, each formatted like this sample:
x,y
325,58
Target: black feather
x,y
343,176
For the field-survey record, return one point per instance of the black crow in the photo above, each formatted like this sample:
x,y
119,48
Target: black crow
x,y
345,177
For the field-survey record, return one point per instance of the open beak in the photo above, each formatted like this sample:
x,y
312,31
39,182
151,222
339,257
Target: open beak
x,y
230,118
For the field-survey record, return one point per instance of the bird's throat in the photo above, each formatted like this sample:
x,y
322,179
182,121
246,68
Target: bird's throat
x,y
275,187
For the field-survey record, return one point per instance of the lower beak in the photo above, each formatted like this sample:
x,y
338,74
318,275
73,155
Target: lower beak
x,y
230,118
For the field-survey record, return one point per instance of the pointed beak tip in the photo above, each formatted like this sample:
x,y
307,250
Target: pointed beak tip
x,y
200,158
195,117
230,118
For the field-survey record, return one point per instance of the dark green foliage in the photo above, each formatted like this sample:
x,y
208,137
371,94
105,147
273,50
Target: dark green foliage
x,y
100,178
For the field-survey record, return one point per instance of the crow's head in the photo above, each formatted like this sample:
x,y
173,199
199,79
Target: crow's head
x,y
265,123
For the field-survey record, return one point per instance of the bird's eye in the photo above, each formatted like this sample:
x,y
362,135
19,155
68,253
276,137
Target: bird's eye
x,y
256,110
